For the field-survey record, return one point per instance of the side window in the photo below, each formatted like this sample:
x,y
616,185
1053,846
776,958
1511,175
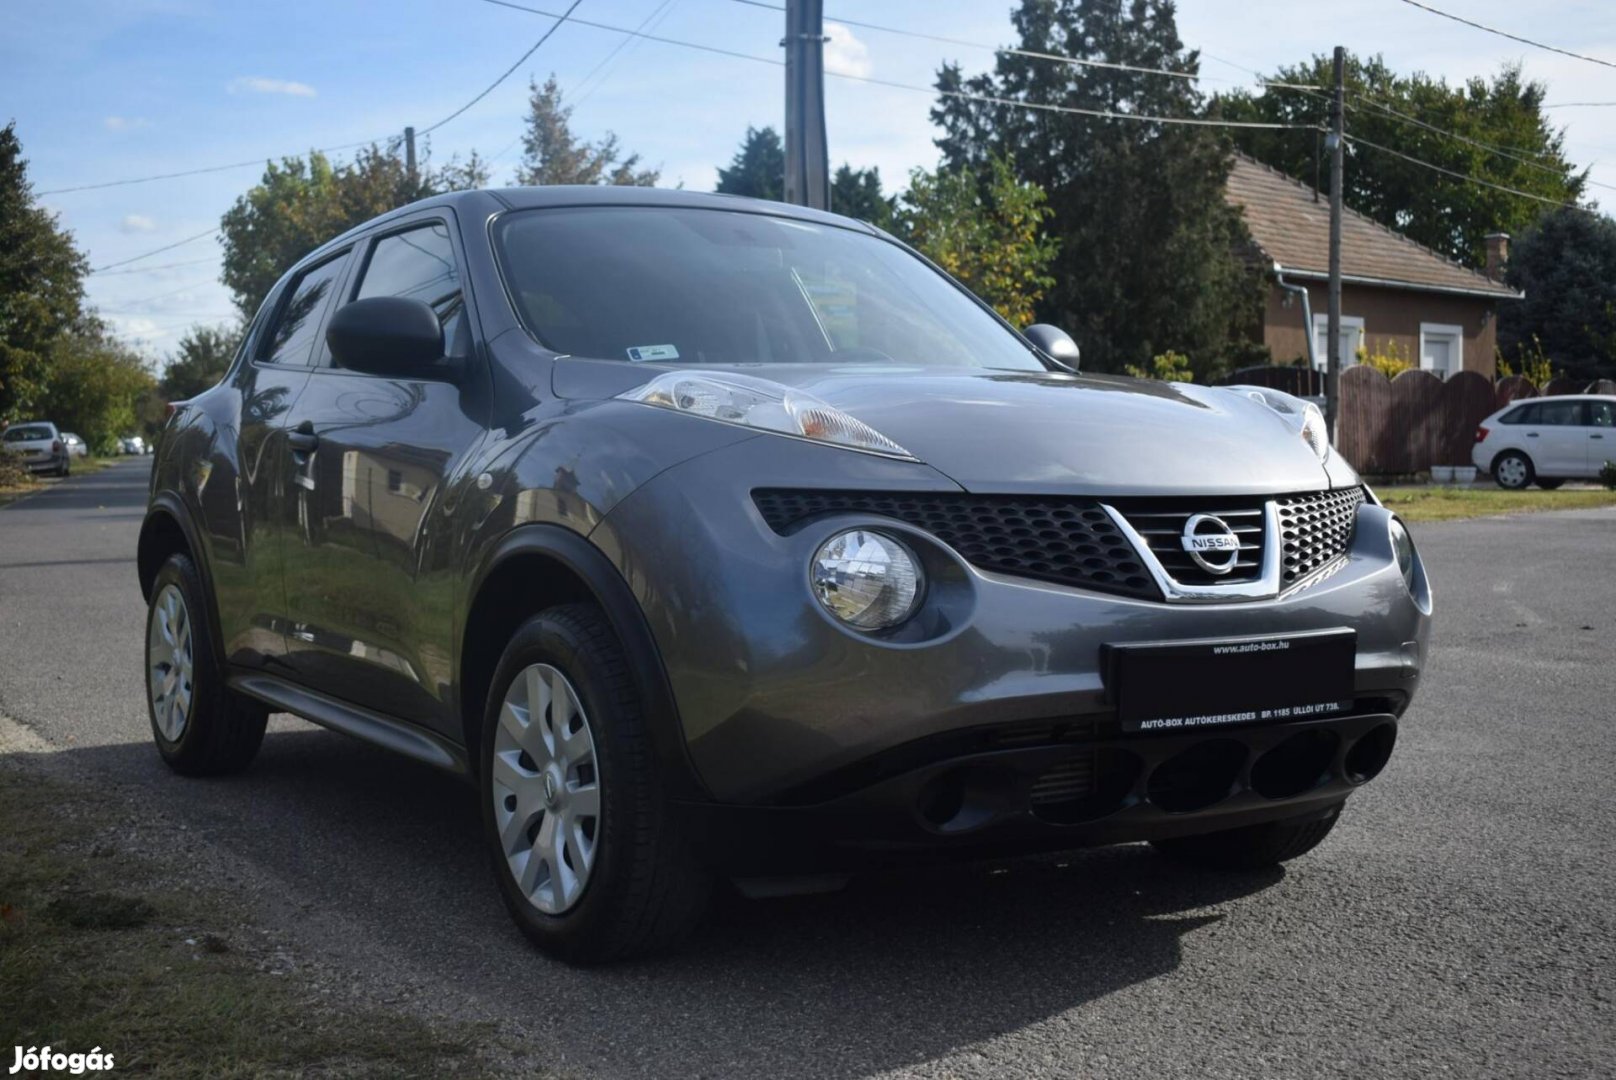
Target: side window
x,y
1560,413
1601,414
420,264
1526,414
291,339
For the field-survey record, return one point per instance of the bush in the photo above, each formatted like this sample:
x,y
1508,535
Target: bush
x,y
1390,359
1607,475
1168,367
13,473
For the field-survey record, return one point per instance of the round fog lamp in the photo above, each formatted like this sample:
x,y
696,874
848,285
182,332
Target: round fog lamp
x,y
866,579
1403,546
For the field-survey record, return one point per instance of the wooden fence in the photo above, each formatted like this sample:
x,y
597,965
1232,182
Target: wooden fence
x,y
1410,423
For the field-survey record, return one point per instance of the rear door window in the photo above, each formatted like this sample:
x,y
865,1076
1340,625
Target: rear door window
x,y
1560,413
1601,414
291,338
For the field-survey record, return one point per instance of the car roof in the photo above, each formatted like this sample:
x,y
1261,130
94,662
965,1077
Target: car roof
x,y
478,200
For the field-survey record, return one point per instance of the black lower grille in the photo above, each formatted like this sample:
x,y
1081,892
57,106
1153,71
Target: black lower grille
x,y
1064,540
1071,779
1314,529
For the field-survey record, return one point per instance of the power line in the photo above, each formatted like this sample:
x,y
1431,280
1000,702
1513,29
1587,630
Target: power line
x,y
157,251
1581,105
163,266
190,172
1466,176
1506,34
930,90
559,19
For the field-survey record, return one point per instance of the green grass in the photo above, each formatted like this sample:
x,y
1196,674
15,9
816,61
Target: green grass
x,y
1448,504
102,948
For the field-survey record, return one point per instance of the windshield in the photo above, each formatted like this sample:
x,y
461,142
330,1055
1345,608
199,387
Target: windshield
x,y
28,433
705,287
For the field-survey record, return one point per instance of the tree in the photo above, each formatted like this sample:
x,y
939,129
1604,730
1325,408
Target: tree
x,y
41,285
552,154
300,203
857,194
201,359
992,241
1446,213
96,384
1566,265
1148,247
758,169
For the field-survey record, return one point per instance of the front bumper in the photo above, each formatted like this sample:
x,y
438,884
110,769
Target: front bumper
x,y
774,695
1002,799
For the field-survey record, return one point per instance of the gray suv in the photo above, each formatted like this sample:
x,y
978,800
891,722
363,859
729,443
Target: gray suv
x,y
719,539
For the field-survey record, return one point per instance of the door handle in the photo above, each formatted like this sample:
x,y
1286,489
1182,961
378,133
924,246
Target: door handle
x,y
302,442
1531,434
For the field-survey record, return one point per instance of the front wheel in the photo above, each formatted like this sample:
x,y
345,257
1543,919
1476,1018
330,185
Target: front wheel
x,y
1513,470
1255,847
589,861
200,725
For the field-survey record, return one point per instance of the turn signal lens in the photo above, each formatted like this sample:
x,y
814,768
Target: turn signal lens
x,y
866,579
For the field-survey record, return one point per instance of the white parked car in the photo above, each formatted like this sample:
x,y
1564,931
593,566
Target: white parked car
x,y
76,446
40,447
131,444
1547,441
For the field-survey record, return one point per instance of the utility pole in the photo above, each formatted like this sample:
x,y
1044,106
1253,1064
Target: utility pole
x,y
409,154
1335,143
807,158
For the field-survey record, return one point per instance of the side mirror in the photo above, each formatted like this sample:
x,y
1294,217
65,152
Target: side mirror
x,y
1054,343
388,335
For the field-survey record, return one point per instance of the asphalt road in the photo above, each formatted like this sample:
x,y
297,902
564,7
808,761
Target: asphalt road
x,y
1461,921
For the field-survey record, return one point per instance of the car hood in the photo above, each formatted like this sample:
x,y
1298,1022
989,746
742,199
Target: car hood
x,y
1047,432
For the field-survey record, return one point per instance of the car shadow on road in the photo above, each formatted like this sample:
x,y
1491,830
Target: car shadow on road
x,y
896,970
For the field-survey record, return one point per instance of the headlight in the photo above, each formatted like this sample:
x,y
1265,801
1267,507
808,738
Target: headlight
x,y
1403,546
1304,416
866,579
760,403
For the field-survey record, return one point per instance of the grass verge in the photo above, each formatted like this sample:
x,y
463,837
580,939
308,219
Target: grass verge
x,y
16,482
100,947
1448,504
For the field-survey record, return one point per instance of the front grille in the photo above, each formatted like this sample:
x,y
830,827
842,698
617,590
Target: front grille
x,y
1161,523
1064,540
1314,529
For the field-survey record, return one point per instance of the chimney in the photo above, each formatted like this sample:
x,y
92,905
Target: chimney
x,y
1497,255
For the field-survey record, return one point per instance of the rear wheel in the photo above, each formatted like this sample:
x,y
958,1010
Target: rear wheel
x,y
590,863
1255,847
1513,470
1548,485
201,727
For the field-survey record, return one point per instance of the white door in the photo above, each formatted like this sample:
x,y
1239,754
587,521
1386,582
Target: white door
x,y
1558,442
1441,349
1600,435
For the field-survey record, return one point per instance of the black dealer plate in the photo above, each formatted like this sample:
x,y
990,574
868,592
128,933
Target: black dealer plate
x,y
1186,685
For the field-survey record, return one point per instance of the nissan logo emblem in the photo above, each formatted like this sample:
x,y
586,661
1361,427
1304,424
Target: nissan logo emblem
x,y
1211,543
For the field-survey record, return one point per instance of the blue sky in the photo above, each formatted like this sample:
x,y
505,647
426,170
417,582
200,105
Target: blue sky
x,y
107,89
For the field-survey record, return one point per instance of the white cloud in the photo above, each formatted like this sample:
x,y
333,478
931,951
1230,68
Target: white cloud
x,y
137,223
257,84
124,123
844,53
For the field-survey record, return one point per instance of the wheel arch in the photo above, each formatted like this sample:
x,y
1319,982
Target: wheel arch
x,y
167,530
538,566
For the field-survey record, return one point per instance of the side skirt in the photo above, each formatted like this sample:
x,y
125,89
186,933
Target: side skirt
x,y
361,723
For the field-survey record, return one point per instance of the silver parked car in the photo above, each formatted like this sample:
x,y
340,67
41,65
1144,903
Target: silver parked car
x,y
76,446
40,446
712,537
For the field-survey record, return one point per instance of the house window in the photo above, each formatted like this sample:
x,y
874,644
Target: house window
x,y
1352,336
1441,348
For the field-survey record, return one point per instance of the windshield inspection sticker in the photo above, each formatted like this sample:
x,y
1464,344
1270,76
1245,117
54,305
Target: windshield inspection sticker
x,y
653,352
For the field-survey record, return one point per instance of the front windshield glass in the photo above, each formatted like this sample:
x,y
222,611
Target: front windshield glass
x,y
27,434
706,287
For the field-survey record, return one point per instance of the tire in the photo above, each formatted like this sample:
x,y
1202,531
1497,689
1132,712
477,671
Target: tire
x,y
1255,847
215,730
1513,471
1549,485
635,887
